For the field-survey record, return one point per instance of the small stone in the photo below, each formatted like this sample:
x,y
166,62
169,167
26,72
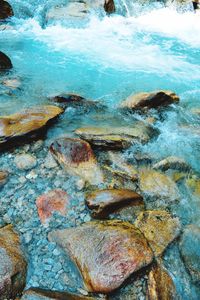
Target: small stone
x,y
50,162
3,178
31,175
25,161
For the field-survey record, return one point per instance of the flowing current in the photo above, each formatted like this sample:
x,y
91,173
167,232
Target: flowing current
x,y
106,58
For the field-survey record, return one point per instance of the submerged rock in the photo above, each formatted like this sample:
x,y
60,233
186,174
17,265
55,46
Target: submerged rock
x,y
12,266
157,185
173,163
150,100
77,158
5,10
160,285
68,99
104,202
190,250
25,161
40,294
159,227
55,200
3,178
106,252
5,62
28,124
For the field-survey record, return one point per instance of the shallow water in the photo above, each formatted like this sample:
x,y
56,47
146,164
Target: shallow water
x,y
106,59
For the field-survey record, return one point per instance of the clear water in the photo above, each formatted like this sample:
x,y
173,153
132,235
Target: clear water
x,y
108,58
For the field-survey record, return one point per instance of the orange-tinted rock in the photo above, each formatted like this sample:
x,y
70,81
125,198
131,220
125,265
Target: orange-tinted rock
x,y
30,123
160,285
38,294
12,264
78,159
106,252
5,10
5,62
104,202
150,100
159,227
3,178
109,6
55,200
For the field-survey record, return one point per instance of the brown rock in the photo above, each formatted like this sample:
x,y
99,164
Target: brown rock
x,y
30,123
109,6
12,266
105,252
158,185
78,159
104,202
5,10
150,100
68,98
190,250
55,200
3,178
38,294
159,227
160,285
5,62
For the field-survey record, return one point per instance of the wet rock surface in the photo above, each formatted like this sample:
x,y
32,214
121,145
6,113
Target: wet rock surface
x,y
12,266
6,10
159,227
5,62
106,252
25,161
190,250
150,100
173,163
77,158
3,178
104,202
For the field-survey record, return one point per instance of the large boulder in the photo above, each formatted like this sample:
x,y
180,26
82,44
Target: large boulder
x,y
5,62
12,266
28,124
104,202
5,10
77,158
154,99
106,252
160,285
190,250
53,201
159,227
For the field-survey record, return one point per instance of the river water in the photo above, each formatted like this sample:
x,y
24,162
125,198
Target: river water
x,y
107,58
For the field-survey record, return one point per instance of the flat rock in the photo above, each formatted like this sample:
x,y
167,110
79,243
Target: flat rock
x,y
5,10
173,163
159,227
3,178
104,202
157,185
25,161
115,137
190,250
55,200
5,62
41,294
106,252
12,266
160,285
28,124
153,99
77,158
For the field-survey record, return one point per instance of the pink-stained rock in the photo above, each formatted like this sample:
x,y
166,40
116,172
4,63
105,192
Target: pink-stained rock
x,y
55,200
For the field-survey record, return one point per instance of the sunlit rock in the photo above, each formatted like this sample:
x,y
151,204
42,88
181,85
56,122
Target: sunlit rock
x,y
104,202
190,250
53,201
105,252
77,158
194,184
12,264
154,99
159,227
5,62
5,10
160,285
25,161
173,163
3,178
28,124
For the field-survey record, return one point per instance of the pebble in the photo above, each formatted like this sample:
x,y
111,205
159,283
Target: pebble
x,y
25,161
